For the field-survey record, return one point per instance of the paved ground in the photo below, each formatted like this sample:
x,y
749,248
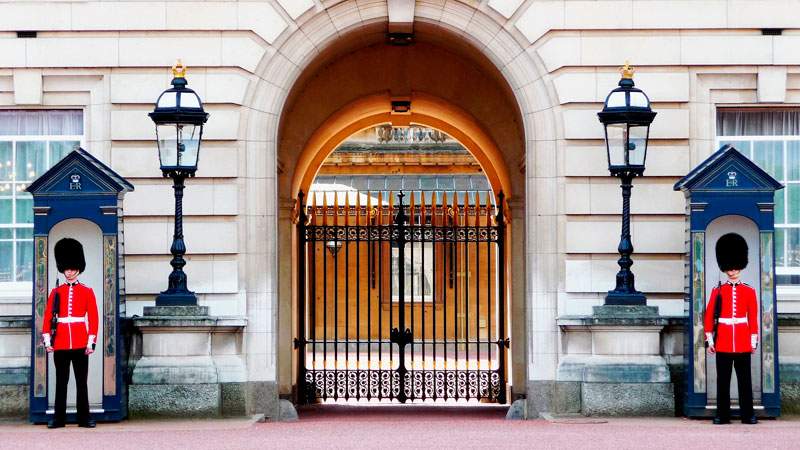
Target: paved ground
x,y
335,426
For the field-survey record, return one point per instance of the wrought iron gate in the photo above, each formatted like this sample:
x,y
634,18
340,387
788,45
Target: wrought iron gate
x,y
401,296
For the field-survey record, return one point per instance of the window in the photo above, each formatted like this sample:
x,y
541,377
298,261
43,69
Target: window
x,y
418,277
772,140
30,143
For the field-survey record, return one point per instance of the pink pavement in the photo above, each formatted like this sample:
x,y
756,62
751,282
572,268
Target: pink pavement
x,y
428,427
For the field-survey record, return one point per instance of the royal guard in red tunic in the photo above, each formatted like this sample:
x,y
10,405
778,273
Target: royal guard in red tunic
x,y
734,336
76,331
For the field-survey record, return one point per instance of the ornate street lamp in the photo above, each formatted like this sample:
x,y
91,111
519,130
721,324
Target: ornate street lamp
x,y
179,119
626,117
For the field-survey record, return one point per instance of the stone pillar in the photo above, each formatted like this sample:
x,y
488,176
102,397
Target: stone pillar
x,y
15,363
614,364
191,364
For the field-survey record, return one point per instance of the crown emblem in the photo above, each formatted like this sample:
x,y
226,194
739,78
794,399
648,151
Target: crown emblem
x,y
731,181
75,182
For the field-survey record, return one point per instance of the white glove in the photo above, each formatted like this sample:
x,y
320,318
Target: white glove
x,y
710,339
754,341
46,339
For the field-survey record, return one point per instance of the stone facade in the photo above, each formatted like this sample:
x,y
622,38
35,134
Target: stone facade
x,y
550,64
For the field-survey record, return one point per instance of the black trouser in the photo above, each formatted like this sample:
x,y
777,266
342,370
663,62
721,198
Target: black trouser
x,y
80,365
741,361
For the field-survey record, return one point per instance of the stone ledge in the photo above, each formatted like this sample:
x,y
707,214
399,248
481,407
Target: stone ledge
x,y
16,375
614,369
587,321
788,320
183,311
189,322
15,321
617,316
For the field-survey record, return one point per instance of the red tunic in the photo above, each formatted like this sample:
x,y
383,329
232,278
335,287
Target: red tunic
x,y
72,333
738,319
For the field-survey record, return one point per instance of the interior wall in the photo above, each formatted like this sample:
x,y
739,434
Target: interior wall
x,y
90,236
750,275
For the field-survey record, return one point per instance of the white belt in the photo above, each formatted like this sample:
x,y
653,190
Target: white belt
x,y
732,320
83,319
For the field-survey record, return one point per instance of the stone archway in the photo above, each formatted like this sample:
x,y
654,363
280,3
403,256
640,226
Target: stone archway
x,y
310,43
426,110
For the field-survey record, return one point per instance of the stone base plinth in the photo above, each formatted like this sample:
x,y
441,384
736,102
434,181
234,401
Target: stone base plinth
x,y
15,363
174,400
191,364
14,400
627,399
614,364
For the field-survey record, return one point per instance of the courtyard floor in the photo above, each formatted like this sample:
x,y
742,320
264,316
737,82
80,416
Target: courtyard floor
x,y
340,426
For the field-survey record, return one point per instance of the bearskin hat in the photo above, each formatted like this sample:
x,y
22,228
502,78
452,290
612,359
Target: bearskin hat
x,y
731,252
69,255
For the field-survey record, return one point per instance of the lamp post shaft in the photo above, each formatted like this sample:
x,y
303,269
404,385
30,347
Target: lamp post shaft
x,y
177,294
625,292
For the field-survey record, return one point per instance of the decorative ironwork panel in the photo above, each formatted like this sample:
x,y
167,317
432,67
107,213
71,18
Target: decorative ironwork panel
x,y
699,307
768,318
402,299
109,314
40,297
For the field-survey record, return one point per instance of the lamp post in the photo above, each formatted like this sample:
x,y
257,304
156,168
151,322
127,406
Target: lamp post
x,y
626,116
179,119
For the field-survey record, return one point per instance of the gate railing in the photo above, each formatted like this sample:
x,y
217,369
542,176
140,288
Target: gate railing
x,y
401,295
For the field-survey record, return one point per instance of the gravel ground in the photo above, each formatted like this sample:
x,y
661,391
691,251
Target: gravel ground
x,y
338,426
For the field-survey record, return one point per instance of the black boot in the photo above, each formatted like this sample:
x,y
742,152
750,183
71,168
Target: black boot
x,y
749,420
721,421
88,424
55,424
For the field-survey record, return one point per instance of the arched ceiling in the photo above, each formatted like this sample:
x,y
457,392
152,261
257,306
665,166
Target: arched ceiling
x,y
439,62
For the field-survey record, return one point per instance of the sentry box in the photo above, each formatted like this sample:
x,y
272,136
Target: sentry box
x,y
80,197
729,193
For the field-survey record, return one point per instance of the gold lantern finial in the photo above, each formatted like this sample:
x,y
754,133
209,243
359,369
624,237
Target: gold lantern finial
x,y
179,70
627,71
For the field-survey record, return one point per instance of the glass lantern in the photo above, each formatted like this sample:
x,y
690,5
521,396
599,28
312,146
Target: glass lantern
x,y
626,116
179,119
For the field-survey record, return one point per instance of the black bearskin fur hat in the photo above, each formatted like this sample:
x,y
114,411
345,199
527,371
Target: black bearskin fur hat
x,y
731,252
69,255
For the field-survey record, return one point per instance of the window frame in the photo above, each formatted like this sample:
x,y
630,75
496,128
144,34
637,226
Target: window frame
x,y
427,262
779,270
14,290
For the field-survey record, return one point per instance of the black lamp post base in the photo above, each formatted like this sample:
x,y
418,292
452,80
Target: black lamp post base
x,y
634,298
185,298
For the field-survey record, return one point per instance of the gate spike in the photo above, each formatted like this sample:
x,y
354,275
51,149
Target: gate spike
x,y
455,208
411,209
391,205
421,207
347,208
379,211
358,208
313,208
325,213
443,205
